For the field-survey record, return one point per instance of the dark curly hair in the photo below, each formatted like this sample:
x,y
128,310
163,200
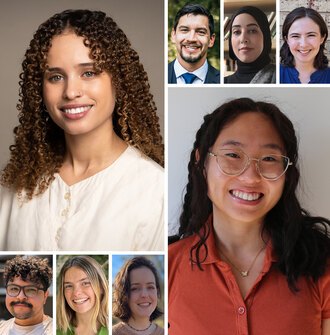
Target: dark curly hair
x,y
31,268
121,288
39,143
301,242
287,59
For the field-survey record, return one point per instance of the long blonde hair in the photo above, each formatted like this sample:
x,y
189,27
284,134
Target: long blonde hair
x,y
66,317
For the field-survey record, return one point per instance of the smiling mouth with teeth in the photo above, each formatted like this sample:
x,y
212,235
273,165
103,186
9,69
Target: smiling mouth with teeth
x,y
77,110
253,196
80,301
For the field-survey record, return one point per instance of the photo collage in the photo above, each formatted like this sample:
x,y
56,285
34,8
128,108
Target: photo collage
x,y
163,167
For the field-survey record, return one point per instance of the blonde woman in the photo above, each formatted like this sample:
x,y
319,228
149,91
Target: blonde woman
x,y
82,300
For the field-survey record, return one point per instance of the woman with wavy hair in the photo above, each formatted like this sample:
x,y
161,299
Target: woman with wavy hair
x,y
303,59
82,299
87,144
136,291
246,247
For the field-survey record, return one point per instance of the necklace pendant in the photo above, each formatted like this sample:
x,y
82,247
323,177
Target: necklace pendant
x,y
244,273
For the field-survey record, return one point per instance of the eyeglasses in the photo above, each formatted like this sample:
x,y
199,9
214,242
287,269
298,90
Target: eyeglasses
x,y
235,162
28,290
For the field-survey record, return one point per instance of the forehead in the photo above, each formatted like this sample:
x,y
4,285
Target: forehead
x,y
191,20
141,275
244,19
19,281
304,24
74,274
251,129
68,47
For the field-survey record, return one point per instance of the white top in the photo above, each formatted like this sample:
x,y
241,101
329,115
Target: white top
x,y
9,327
201,73
119,208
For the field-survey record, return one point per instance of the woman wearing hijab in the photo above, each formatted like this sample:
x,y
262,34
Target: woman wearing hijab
x,y
250,45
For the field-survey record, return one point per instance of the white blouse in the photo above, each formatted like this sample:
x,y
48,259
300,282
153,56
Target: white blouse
x,y
119,208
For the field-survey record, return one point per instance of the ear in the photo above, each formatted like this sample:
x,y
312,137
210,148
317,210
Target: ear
x,y
46,296
212,40
173,35
197,156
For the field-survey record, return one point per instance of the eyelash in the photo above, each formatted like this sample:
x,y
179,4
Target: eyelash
x,y
58,77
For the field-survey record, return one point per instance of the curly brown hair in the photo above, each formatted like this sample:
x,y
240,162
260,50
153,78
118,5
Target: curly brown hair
x,y
39,146
32,268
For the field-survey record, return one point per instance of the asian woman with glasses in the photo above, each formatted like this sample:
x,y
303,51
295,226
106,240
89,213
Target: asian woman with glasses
x,y
247,248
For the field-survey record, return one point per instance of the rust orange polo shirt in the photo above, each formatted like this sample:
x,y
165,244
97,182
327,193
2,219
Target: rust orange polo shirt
x,y
209,302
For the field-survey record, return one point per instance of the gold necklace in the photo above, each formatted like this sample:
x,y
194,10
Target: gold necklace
x,y
241,272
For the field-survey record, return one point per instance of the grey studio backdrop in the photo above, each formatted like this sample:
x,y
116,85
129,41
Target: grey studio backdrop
x,y
307,108
142,21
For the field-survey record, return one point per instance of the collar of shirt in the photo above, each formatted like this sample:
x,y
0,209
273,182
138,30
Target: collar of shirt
x,y
200,73
213,255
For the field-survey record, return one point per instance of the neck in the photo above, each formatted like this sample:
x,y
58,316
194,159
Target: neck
x,y
305,71
92,151
139,323
238,238
30,322
84,323
191,67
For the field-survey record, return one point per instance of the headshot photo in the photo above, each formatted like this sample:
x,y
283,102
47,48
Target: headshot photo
x,y
193,42
137,294
26,295
249,42
248,211
82,295
304,44
83,131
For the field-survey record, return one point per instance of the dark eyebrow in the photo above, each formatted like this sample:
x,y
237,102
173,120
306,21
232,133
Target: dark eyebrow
x,y
81,65
239,144
248,25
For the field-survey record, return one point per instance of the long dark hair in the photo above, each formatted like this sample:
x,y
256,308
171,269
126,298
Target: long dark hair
x,y
300,241
321,60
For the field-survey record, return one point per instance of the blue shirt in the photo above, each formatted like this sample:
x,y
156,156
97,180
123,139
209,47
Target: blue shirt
x,y
290,75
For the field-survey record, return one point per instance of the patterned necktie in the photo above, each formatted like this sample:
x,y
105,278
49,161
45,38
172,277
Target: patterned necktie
x,y
189,77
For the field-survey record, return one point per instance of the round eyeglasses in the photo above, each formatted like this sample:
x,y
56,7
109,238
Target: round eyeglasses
x,y
28,290
235,162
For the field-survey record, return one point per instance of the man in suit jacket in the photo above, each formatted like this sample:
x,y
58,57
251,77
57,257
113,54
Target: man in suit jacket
x,y
193,34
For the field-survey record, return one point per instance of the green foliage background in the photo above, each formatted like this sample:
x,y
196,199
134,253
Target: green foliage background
x,y
213,54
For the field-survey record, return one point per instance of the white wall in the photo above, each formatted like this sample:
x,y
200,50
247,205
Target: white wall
x,y
307,108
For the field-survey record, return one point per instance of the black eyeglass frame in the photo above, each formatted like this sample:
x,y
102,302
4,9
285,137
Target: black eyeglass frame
x,y
24,288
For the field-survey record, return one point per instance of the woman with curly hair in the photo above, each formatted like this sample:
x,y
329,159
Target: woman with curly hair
x,y
136,291
82,299
303,60
246,247
87,146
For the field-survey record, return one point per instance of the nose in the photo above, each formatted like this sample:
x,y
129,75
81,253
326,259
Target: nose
x,y
192,35
72,89
243,36
144,292
21,295
302,40
251,173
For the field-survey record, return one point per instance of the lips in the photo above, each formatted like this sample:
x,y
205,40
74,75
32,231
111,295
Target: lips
x,y
73,110
245,49
21,304
80,301
191,47
246,196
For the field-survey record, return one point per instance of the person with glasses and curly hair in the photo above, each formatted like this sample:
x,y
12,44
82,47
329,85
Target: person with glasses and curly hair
x,y
246,247
27,280
82,299
88,148
136,291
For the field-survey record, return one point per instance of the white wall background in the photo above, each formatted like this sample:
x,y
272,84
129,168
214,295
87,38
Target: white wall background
x,y
307,108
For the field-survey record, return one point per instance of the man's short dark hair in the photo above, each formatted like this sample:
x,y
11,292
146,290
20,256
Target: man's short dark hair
x,y
194,9
31,268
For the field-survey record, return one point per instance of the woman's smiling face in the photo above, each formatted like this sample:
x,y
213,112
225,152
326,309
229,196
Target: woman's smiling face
x,y
78,291
247,197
